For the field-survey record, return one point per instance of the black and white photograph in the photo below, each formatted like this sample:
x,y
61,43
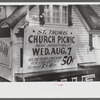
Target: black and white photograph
x,y
56,42
49,49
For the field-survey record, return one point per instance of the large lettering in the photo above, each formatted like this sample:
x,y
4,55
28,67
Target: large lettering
x,y
50,39
48,42
41,39
47,51
66,39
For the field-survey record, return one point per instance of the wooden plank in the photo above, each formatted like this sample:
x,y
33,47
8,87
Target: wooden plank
x,y
66,75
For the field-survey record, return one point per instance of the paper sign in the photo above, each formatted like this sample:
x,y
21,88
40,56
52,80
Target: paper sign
x,y
49,48
5,52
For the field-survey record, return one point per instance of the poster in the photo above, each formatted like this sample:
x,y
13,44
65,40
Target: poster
x,y
49,48
5,52
5,59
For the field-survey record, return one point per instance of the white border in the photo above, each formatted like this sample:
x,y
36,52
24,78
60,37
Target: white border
x,y
44,3
49,89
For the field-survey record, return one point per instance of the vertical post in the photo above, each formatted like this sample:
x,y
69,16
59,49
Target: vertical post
x,y
70,15
27,14
51,14
91,42
41,14
12,60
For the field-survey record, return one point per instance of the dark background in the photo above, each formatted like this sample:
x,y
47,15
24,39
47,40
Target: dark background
x,y
49,1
